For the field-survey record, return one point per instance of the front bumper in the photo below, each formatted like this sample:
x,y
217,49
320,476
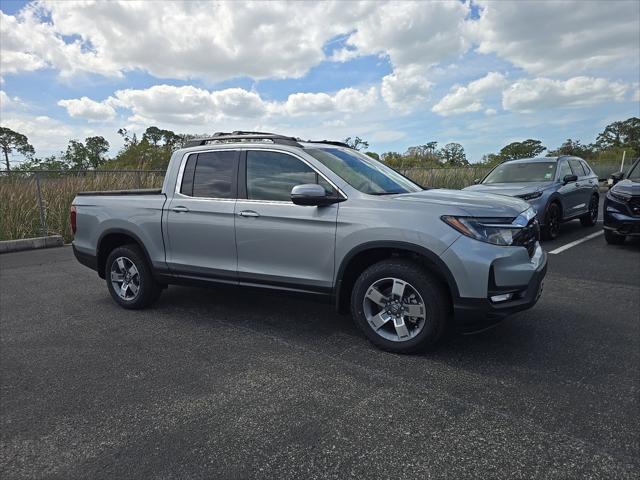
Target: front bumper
x,y
482,271
618,218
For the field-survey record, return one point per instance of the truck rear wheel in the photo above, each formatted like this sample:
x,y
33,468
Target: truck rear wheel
x,y
129,278
399,306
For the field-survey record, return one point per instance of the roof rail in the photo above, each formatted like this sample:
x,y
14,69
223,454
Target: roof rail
x,y
331,142
222,137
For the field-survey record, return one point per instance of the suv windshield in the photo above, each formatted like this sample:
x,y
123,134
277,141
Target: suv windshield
x,y
362,172
634,173
522,172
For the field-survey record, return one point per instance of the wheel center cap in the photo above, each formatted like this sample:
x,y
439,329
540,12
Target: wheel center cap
x,y
394,308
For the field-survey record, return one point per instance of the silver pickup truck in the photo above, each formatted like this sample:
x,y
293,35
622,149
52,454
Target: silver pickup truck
x,y
268,211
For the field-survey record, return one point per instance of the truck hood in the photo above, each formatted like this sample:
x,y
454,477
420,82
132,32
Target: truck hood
x,y
510,189
628,187
474,204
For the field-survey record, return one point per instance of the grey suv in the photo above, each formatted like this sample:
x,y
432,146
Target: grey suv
x,y
273,212
559,188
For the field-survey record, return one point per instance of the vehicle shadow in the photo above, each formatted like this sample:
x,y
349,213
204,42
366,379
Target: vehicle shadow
x,y
310,324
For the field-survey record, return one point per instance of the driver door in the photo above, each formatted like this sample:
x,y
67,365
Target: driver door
x,y
280,243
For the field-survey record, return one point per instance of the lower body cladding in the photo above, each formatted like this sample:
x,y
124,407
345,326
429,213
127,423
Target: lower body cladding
x,y
493,281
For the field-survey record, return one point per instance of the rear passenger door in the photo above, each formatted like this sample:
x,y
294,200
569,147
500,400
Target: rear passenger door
x,y
200,218
570,192
584,188
280,243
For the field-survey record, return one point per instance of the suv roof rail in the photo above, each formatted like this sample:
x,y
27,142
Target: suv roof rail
x,y
220,137
331,142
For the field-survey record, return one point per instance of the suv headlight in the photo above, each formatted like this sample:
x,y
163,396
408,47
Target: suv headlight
x,y
498,231
621,197
530,196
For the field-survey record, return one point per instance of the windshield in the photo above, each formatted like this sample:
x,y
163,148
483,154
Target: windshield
x,y
362,172
634,173
522,172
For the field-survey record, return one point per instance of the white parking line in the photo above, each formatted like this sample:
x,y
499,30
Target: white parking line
x,y
577,242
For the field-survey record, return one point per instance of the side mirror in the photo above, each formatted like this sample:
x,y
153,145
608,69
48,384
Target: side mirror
x,y
615,178
476,181
312,194
569,179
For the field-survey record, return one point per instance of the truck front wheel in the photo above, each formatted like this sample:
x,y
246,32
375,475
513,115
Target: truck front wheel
x,y
399,306
129,278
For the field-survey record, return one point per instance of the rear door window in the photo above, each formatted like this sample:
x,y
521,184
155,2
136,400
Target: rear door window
x,y
576,166
215,174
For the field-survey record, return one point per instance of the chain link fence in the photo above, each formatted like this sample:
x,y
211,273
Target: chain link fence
x,y
37,203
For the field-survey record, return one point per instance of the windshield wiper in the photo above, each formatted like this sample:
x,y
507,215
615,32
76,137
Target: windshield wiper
x,y
386,193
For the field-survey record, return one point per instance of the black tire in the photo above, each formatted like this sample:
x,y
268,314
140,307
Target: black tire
x,y
552,218
435,299
613,238
148,290
591,218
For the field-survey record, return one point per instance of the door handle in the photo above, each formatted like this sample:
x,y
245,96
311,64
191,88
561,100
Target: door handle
x,y
248,213
180,209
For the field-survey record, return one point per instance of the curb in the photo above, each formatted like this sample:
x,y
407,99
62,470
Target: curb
x,y
7,246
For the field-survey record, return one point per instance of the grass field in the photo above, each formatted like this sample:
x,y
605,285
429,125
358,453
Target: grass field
x,y
20,214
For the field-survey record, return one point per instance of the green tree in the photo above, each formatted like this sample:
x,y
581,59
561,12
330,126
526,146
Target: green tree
x,y
90,154
573,147
453,155
528,149
47,163
11,141
373,155
357,143
625,134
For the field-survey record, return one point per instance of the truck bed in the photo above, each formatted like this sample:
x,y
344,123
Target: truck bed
x,y
139,191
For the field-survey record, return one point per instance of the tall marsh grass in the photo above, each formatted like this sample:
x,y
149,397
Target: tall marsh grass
x,y
19,212
20,215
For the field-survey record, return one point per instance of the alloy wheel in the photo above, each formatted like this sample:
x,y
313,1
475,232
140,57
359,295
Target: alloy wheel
x,y
125,278
394,309
593,209
554,221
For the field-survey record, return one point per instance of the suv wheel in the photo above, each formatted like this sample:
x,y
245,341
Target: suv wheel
x,y
551,226
590,219
613,238
129,278
399,306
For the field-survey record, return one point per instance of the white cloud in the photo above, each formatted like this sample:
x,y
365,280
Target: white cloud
x,y
545,93
222,40
215,41
405,88
29,44
636,92
345,100
88,109
469,99
6,102
44,133
412,33
189,105
559,37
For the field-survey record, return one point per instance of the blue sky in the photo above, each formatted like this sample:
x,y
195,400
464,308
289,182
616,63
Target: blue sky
x,y
396,74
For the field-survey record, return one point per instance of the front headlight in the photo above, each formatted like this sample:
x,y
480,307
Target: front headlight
x,y
621,197
530,196
498,231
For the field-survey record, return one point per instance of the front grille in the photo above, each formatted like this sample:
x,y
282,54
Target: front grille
x,y
634,206
528,236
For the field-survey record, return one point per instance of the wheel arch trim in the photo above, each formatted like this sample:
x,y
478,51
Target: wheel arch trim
x,y
440,266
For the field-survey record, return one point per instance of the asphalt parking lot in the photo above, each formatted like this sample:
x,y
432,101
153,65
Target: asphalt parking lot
x,y
209,384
